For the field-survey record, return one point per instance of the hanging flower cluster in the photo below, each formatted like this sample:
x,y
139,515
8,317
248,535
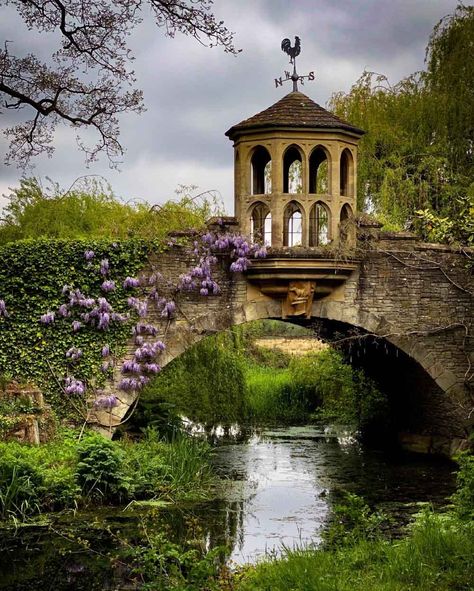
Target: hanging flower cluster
x,y
3,309
99,314
106,402
239,250
73,354
74,386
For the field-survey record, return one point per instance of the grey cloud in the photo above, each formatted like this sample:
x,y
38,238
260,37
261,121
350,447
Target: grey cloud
x,y
193,94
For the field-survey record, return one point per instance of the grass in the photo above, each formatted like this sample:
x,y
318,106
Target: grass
x,y
271,396
69,473
437,555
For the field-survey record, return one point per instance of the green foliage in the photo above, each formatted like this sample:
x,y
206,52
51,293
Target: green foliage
x,y
91,210
417,154
187,469
341,392
272,396
352,521
463,498
99,470
206,383
164,565
438,554
67,473
32,276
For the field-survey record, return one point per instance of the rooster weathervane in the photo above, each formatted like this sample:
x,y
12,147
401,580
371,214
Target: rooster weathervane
x,y
293,52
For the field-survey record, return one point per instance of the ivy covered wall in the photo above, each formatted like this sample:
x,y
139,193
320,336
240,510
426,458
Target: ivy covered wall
x,y
33,274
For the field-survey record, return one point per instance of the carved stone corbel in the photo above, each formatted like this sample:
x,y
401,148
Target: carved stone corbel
x,y
299,299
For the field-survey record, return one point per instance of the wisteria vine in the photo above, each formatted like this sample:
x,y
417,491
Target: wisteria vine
x,y
97,312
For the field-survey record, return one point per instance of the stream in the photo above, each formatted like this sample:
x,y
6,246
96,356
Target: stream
x,y
279,487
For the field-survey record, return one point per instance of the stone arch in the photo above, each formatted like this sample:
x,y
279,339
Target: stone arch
x,y
293,170
183,334
346,173
320,170
319,224
294,224
260,171
260,217
346,226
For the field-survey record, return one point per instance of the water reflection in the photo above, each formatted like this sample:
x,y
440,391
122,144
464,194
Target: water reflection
x,y
280,484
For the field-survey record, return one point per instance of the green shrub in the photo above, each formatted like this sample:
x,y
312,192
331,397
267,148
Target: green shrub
x,y
463,498
100,471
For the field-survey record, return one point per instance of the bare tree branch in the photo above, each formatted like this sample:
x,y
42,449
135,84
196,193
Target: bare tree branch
x,y
88,81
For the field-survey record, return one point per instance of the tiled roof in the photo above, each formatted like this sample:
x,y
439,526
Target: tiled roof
x,y
294,110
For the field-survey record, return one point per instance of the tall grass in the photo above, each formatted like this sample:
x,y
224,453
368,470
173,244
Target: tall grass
x,y
272,396
438,555
187,467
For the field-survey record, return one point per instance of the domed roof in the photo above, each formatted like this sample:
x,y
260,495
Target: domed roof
x,y
294,110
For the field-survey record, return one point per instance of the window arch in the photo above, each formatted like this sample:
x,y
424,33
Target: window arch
x,y
319,224
292,171
346,173
260,170
319,171
346,229
293,224
261,224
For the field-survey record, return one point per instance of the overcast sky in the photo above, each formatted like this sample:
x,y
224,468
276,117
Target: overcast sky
x,y
194,94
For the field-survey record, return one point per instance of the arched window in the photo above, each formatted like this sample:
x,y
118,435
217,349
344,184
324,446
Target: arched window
x,y
260,170
292,171
261,224
346,174
293,225
346,228
319,171
318,225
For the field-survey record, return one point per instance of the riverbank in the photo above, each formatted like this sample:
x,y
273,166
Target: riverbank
x,y
71,472
283,486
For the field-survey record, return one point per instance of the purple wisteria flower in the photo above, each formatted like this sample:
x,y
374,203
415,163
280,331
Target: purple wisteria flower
x,y
3,309
151,368
131,366
89,255
130,282
108,285
104,267
63,311
106,402
168,309
76,325
105,351
74,354
47,318
73,386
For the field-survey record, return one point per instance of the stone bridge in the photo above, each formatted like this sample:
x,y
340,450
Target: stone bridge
x,y
401,309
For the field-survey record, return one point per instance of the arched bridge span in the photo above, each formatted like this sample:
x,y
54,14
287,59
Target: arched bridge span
x,y
411,301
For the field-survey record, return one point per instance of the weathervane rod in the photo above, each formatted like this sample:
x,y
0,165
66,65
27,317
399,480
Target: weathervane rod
x,y
293,52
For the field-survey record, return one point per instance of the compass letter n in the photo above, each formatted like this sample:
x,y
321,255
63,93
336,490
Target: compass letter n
x,y
278,82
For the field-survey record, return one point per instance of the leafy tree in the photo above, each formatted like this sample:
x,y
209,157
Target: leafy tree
x,y
418,155
88,80
91,210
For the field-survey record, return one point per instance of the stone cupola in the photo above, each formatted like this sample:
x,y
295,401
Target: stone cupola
x,y
295,174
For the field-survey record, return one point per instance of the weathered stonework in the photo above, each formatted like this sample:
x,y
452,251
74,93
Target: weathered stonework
x,y
415,298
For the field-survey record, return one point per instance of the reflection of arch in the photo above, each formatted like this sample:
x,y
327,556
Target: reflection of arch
x,y
319,224
261,223
293,224
292,170
319,167
260,167
345,223
346,173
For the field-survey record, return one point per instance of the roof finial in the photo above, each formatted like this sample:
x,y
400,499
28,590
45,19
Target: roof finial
x,y
293,52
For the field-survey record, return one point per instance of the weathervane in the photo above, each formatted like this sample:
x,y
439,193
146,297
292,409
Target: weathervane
x,y
293,52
